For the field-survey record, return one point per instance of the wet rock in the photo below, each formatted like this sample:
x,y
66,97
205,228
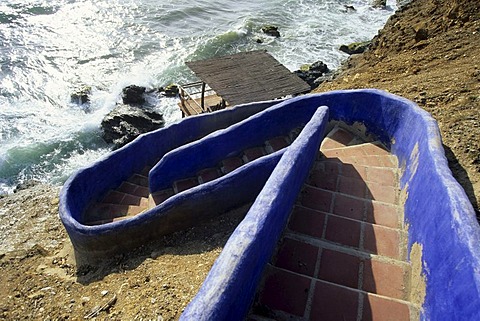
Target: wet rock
x,y
349,8
133,95
379,3
355,48
25,185
170,90
271,31
124,123
313,74
81,96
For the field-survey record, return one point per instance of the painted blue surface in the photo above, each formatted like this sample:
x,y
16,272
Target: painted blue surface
x,y
187,160
437,210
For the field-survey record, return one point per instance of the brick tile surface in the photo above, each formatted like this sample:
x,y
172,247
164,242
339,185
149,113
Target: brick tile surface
x,y
307,221
381,176
383,214
285,291
381,193
113,197
343,231
387,279
159,197
354,171
382,240
208,174
376,308
323,180
297,256
317,199
351,186
333,303
253,153
339,268
184,184
230,164
276,143
127,187
131,200
138,180
349,206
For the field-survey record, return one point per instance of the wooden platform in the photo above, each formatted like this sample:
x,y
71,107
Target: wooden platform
x,y
191,107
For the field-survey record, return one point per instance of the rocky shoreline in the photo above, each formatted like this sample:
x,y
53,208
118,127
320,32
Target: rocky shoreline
x,y
426,52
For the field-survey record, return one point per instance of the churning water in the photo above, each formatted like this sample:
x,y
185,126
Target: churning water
x,y
48,49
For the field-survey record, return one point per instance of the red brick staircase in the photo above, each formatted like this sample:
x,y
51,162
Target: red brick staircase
x,y
343,253
132,197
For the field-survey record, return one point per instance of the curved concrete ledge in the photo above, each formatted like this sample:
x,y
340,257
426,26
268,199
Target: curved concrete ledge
x,y
437,211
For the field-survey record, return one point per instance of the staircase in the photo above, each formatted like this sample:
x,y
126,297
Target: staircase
x,y
343,253
133,197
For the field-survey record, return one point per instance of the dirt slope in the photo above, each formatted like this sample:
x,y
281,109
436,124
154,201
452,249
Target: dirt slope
x,y
429,52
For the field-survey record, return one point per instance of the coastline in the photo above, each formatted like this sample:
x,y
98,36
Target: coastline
x,y
39,269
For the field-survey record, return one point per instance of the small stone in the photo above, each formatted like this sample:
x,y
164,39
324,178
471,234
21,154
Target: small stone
x,y
271,31
104,292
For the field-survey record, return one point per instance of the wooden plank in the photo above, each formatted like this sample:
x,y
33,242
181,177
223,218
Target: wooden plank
x,y
248,77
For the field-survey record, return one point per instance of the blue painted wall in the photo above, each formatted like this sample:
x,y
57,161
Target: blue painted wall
x,y
437,210
187,160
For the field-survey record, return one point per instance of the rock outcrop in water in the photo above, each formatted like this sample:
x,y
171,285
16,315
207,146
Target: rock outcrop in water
x,y
271,31
124,123
81,95
355,48
314,74
133,94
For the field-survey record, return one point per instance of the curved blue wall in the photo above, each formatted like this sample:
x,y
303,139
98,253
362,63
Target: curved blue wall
x,y
437,210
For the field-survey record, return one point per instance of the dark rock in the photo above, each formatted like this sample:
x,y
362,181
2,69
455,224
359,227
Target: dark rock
x,y
124,123
379,3
26,185
355,48
259,40
310,73
421,32
271,31
170,91
133,95
81,96
349,8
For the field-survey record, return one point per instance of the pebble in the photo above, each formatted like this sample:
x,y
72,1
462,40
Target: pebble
x,y
104,292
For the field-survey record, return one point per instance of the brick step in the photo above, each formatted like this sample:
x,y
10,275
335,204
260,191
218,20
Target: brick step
x,y
135,192
354,234
339,137
159,197
101,213
288,295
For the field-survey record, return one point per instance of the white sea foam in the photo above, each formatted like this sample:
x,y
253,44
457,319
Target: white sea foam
x,y
48,52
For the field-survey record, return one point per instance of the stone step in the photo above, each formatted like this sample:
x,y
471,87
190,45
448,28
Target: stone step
x,y
101,213
276,143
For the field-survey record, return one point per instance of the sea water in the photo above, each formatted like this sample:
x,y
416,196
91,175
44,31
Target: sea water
x,y
49,49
